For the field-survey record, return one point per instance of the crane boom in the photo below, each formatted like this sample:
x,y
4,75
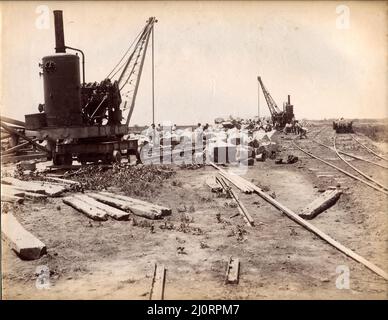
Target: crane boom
x,y
273,108
131,68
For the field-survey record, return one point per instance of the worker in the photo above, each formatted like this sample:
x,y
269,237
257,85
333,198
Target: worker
x,y
287,128
152,133
173,128
302,131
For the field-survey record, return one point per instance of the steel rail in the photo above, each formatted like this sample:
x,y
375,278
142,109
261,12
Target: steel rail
x,y
341,170
354,168
370,150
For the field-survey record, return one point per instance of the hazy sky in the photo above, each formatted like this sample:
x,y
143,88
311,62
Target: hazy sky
x,y
208,56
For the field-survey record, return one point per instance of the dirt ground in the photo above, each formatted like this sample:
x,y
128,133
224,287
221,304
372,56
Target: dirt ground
x,y
279,258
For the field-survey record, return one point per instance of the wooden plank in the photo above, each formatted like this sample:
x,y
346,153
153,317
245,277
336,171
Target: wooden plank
x,y
320,204
137,204
12,121
34,186
11,199
232,271
243,211
13,131
31,195
62,181
24,243
158,283
18,147
212,184
111,211
141,211
293,216
11,191
85,208
12,158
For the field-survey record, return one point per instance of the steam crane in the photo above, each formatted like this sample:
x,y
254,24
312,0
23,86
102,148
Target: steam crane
x,y
84,120
279,117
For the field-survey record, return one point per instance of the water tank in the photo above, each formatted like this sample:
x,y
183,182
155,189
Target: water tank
x,y
62,93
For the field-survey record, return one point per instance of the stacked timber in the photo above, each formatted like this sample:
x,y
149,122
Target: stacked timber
x,y
135,206
94,209
101,205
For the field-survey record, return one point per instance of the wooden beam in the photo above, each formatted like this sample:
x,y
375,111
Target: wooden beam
x,y
13,121
12,158
243,211
18,147
89,210
111,211
24,243
158,283
213,185
11,199
137,207
320,204
35,186
13,131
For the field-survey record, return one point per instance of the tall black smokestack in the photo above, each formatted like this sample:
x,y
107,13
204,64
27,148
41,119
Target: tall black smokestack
x,y
59,35
289,100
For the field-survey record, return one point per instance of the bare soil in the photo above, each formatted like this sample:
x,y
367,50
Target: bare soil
x,y
279,259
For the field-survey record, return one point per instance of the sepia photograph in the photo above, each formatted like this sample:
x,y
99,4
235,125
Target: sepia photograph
x,y
194,150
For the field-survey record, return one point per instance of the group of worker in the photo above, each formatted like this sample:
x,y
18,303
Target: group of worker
x,y
296,128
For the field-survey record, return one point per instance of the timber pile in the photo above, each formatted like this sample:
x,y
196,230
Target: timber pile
x,y
94,209
25,244
48,189
322,203
135,206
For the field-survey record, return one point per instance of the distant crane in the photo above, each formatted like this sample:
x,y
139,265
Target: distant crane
x,y
279,117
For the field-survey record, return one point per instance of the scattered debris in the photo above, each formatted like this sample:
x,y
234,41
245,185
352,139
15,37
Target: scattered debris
x,y
292,159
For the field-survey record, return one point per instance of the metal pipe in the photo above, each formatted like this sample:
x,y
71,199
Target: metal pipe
x,y
59,34
83,61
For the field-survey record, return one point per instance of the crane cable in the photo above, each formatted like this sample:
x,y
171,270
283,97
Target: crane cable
x,y
122,58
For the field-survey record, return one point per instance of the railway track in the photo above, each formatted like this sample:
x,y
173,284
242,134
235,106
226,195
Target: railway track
x,y
366,179
368,149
